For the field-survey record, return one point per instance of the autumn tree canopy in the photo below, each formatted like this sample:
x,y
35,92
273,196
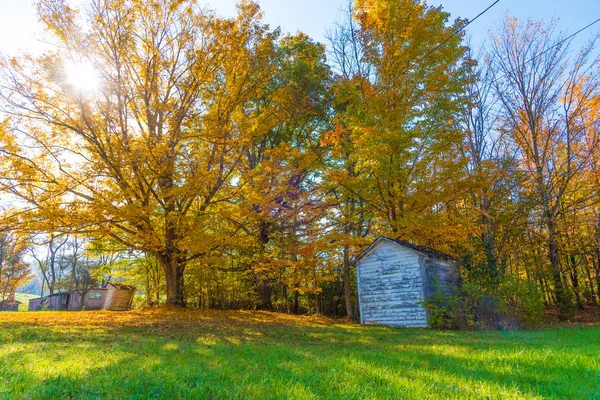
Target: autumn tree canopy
x,y
216,162
152,157
14,270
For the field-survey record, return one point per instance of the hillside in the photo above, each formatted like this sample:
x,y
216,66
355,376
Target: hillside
x,y
24,299
191,354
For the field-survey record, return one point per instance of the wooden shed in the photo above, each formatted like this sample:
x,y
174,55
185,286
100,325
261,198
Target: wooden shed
x,y
119,297
115,297
9,305
56,301
37,303
395,277
94,300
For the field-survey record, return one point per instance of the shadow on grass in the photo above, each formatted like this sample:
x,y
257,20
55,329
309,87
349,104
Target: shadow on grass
x,y
257,360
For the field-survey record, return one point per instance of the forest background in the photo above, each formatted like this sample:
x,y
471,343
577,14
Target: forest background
x,y
218,163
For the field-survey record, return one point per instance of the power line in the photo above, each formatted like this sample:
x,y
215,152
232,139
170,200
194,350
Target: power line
x,y
504,75
413,63
562,41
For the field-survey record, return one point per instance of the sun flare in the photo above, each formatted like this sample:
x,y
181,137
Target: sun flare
x,y
82,76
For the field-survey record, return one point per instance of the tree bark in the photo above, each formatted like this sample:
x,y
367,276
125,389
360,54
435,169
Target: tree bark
x,y
173,268
559,290
264,291
347,289
597,271
575,281
296,299
175,294
264,283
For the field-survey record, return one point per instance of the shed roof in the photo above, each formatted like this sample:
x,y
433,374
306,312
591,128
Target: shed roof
x,y
60,293
10,302
426,251
121,286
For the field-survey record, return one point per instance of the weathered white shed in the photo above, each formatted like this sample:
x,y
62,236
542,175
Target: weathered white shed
x,y
395,277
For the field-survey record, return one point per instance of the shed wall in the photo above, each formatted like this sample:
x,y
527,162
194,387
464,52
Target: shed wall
x,y
9,306
390,287
89,303
440,275
118,298
36,304
59,301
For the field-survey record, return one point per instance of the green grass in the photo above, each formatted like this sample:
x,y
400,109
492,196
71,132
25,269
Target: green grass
x,y
190,354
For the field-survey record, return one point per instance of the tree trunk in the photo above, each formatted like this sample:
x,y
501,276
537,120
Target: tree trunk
x,y
575,281
356,314
296,299
52,281
173,268
489,241
148,293
264,290
264,283
559,290
175,286
546,292
590,282
597,270
347,289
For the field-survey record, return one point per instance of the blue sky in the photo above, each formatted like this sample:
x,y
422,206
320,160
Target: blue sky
x,y
19,28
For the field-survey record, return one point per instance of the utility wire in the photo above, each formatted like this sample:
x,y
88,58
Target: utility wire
x,y
562,41
504,75
430,52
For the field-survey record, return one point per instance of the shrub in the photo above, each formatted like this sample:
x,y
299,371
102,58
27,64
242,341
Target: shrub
x,y
453,309
512,305
521,303
440,307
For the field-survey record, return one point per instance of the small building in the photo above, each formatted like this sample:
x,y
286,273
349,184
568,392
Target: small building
x,y
395,277
36,304
115,297
57,301
119,297
94,300
9,305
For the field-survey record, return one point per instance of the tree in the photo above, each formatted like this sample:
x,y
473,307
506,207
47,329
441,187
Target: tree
x,y
543,93
281,169
398,119
351,219
153,157
14,271
78,268
392,165
492,166
48,266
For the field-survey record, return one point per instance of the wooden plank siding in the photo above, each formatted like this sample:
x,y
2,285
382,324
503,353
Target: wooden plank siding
x,y
94,300
119,297
394,279
115,297
390,287
440,275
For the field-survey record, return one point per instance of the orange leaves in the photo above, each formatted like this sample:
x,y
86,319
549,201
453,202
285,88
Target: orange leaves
x,y
165,319
395,151
14,271
334,138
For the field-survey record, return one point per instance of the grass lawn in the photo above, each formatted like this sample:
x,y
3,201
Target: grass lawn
x,y
172,354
